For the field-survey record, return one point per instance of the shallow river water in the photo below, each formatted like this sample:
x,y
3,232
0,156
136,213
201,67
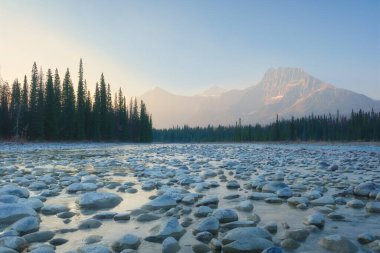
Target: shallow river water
x,y
205,170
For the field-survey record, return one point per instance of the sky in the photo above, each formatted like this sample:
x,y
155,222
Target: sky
x,y
188,46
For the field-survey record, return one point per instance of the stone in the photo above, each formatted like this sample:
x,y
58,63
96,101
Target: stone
x,y
12,189
289,243
261,195
285,193
233,184
89,224
14,242
271,227
337,243
200,248
26,225
211,202
365,238
245,206
93,239
43,249
273,250
202,211
98,200
172,228
225,215
373,207
170,245
355,203
294,201
297,234
315,219
77,187
9,213
122,217
246,233
210,224
204,237
58,241
164,201
104,215
54,209
274,186
245,245
145,217
40,236
94,248
7,250
323,201
364,189
127,241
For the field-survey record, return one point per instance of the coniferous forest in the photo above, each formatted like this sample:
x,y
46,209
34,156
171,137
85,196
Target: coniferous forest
x,y
46,108
359,126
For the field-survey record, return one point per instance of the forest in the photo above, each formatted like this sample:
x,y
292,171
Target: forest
x,y
47,109
358,126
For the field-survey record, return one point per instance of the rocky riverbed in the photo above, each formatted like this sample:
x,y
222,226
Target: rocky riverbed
x,y
189,198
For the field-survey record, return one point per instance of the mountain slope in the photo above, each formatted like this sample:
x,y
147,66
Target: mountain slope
x,y
283,91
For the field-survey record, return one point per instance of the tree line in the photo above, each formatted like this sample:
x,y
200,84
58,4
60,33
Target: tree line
x,y
358,126
50,109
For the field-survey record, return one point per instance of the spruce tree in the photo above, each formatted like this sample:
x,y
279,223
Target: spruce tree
x,y
24,108
5,122
51,120
68,107
33,106
40,106
103,108
80,115
15,109
58,102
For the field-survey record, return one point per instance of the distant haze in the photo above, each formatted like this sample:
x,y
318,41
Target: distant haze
x,y
285,92
187,47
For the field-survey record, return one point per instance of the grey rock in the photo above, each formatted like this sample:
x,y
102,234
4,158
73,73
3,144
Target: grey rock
x,y
373,207
364,189
338,244
99,200
54,209
202,211
164,201
94,248
170,245
315,219
9,213
145,217
355,203
41,236
89,224
128,241
14,242
210,224
12,189
172,228
26,225
225,215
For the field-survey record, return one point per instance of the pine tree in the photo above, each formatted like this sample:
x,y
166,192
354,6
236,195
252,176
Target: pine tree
x,y
58,102
103,108
68,107
80,115
33,106
40,106
87,112
15,108
24,108
5,122
51,120
96,114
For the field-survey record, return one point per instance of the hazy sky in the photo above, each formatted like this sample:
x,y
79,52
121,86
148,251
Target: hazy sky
x,y
187,46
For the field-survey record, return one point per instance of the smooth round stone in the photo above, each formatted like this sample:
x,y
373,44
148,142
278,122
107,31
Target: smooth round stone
x,y
225,215
89,224
204,237
323,201
246,233
210,224
364,189
12,189
58,241
271,227
273,250
247,245
338,244
122,217
104,215
26,225
99,200
170,245
94,248
9,213
172,228
315,219
273,200
54,209
14,242
202,211
374,246
373,207
93,239
245,206
40,236
200,248
232,196
65,215
164,201
297,234
43,249
336,216
188,199
145,217
233,184
7,250
274,186
290,244
128,241
365,238
210,202
285,193
294,201
216,244
76,187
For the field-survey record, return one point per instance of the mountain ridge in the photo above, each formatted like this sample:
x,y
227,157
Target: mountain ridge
x,y
285,92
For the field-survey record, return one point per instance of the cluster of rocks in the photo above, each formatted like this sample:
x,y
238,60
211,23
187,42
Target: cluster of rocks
x,y
205,200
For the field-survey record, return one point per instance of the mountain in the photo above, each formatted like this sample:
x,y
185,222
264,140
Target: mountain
x,y
283,91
